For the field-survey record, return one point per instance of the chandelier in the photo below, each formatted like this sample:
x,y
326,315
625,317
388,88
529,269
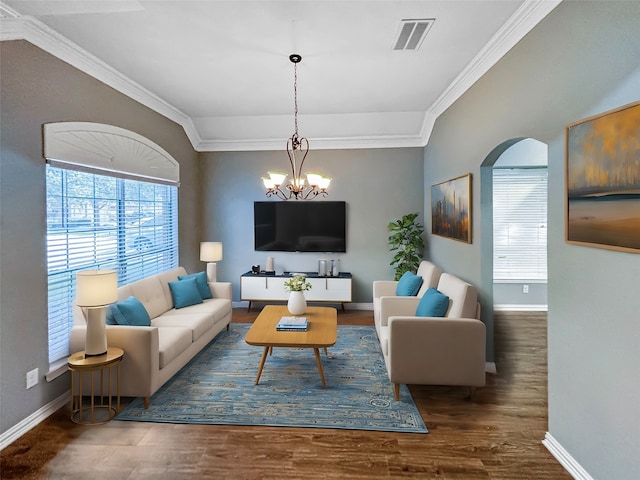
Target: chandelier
x,y
297,150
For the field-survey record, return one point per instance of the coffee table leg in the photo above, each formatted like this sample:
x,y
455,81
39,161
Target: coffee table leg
x,y
319,362
262,360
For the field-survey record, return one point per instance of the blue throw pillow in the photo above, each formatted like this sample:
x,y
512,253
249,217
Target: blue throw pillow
x,y
185,293
201,282
111,318
432,304
408,285
131,312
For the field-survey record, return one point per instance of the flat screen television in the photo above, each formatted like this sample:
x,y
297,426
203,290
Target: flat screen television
x,y
298,226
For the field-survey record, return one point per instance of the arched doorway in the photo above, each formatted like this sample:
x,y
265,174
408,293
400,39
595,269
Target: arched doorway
x,y
520,153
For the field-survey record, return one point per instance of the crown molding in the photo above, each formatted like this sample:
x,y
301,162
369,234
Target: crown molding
x,y
16,27
346,143
528,15
13,26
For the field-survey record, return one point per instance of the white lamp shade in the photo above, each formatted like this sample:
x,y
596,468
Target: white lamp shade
x,y
96,288
210,251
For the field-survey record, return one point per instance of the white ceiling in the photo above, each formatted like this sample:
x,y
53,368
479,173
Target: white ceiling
x,y
221,68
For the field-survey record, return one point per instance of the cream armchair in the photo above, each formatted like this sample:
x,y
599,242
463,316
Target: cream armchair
x,y
447,350
430,274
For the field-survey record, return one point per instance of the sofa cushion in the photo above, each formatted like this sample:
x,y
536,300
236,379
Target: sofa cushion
x,y
198,323
149,292
185,293
408,285
432,304
218,308
172,341
131,312
201,282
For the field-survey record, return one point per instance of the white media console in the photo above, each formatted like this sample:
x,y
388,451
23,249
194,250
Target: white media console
x,y
268,288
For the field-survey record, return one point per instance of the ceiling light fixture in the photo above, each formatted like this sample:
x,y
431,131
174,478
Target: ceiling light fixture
x,y
297,150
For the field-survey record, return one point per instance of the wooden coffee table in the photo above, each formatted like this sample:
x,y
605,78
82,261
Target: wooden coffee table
x,y
322,333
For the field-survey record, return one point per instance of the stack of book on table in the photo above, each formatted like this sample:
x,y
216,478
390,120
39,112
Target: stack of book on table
x,y
292,324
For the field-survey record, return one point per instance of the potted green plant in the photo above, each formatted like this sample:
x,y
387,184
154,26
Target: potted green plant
x,y
405,238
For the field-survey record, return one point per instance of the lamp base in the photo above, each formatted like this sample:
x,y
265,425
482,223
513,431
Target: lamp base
x,y
96,339
211,272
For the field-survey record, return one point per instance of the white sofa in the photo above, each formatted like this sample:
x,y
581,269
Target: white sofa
x,y
154,354
430,274
447,350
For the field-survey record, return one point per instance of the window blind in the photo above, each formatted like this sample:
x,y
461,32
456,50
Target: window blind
x,y
520,224
103,222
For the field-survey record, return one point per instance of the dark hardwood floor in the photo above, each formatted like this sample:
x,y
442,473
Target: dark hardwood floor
x,y
496,436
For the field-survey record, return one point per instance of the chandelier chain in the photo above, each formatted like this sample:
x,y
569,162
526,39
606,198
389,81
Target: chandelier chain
x,y
295,97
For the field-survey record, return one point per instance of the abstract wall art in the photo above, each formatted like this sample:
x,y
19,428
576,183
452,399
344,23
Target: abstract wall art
x,y
451,209
603,180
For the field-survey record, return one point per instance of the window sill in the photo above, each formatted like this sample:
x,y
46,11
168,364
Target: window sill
x,y
56,369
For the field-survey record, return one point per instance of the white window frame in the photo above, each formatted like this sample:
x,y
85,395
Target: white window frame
x,y
520,197
102,222
108,151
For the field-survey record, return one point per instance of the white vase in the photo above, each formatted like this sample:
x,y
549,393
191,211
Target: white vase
x,y
297,304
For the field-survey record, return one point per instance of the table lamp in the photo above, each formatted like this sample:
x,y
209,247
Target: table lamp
x,y
95,289
211,252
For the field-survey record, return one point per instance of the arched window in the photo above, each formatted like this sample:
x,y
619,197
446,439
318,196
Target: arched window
x,y
112,203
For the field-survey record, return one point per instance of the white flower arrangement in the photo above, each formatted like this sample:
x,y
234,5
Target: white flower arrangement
x,y
297,284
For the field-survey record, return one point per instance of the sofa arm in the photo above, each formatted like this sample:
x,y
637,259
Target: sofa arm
x,y
141,362
382,288
221,290
403,306
436,351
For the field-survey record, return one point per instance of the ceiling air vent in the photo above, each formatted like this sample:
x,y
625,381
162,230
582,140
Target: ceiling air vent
x,y
412,33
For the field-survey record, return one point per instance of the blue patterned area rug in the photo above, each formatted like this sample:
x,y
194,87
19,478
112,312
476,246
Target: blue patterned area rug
x,y
218,387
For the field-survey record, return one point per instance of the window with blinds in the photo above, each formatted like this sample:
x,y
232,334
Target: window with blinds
x,y
103,222
520,224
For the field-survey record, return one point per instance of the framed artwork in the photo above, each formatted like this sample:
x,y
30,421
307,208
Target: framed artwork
x,y
451,208
603,180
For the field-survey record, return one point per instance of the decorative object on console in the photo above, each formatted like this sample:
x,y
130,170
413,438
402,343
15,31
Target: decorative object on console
x,y
322,268
297,285
335,267
405,238
297,150
451,208
95,289
211,252
269,267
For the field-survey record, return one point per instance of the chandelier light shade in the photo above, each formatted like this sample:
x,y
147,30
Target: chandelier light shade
x,y
95,289
298,187
211,252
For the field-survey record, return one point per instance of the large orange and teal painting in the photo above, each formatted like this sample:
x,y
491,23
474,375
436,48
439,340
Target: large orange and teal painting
x,y
603,180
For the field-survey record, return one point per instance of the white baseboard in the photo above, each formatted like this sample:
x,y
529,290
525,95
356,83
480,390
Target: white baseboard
x,y
15,432
520,308
490,367
566,460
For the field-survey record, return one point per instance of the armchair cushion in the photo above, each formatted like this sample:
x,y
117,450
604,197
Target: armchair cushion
x,y
408,285
432,304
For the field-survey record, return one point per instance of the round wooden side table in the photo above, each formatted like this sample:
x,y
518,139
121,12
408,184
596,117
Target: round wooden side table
x,y
100,409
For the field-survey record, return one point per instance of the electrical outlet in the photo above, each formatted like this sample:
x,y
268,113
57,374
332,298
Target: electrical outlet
x,y
525,288
32,378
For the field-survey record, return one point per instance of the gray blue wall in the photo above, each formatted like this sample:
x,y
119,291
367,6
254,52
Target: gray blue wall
x,y
379,186
583,59
36,89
